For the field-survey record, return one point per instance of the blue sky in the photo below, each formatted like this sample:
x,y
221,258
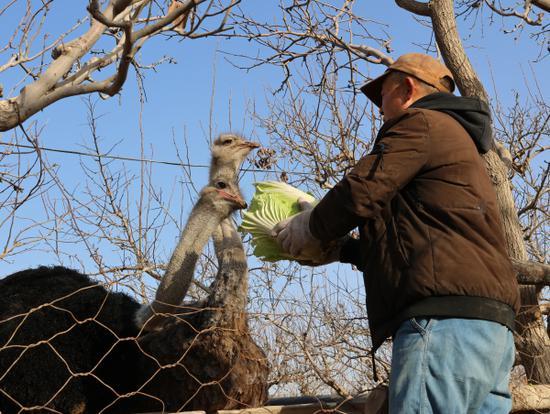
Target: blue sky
x,y
203,92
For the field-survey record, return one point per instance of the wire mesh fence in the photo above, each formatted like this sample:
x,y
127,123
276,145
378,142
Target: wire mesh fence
x,y
70,345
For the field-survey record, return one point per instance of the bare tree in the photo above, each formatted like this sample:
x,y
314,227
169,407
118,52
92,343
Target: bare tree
x,y
74,63
312,323
316,123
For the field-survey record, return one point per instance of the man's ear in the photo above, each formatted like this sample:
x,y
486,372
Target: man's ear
x,y
410,88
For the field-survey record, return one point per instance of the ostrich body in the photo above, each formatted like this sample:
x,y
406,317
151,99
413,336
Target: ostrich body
x,y
225,367
68,344
246,384
56,324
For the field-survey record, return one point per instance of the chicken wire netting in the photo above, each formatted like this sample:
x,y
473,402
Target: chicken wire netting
x,y
70,345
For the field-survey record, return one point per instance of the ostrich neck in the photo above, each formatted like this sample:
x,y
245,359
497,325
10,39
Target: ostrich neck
x,y
225,169
228,298
178,276
228,293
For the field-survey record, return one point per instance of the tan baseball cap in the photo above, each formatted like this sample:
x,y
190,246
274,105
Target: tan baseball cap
x,y
419,65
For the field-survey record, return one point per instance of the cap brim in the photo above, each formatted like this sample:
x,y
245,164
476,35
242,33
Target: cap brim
x,y
373,89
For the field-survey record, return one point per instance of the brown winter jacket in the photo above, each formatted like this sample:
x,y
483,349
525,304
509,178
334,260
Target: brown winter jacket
x,y
430,235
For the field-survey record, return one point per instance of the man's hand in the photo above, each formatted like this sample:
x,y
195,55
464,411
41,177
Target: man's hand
x,y
294,237
293,234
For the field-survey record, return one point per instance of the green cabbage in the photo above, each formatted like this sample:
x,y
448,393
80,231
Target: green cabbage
x,y
272,202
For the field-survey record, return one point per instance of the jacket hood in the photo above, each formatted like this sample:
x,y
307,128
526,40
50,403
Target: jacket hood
x,y
472,113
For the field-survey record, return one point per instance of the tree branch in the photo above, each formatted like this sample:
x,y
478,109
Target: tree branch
x,y
452,50
416,7
531,273
523,16
535,347
531,397
60,80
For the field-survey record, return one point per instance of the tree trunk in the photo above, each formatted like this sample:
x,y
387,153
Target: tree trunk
x,y
533,344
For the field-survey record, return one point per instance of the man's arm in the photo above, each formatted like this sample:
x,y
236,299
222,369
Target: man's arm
x,y
400,152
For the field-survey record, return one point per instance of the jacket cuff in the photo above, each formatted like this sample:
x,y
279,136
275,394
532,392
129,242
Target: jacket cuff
x,y
351,253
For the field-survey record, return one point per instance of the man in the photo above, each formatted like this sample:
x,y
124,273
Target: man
x,y
436,272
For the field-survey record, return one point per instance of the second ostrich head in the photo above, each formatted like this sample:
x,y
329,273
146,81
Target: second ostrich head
x,y
228,153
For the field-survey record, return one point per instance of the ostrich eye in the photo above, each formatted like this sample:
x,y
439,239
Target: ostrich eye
x,y
221,185
227,142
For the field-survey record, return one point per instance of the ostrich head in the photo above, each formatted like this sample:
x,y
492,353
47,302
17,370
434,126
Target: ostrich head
x,y
223,196
228,153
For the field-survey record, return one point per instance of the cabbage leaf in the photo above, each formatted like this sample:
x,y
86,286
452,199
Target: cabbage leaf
x,y
273,202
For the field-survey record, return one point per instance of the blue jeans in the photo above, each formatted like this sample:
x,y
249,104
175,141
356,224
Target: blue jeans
x,y
451,366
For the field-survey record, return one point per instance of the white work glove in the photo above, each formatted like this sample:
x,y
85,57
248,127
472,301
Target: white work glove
x,y
293,233
294,237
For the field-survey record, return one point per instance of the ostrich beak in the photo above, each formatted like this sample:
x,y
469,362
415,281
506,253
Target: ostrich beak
x,y
237,199
251,145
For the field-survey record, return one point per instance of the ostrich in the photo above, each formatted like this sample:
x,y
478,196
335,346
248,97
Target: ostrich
x,y
68,345
228,153
226,368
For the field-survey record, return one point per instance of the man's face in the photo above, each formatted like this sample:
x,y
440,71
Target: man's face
x,y
393,97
